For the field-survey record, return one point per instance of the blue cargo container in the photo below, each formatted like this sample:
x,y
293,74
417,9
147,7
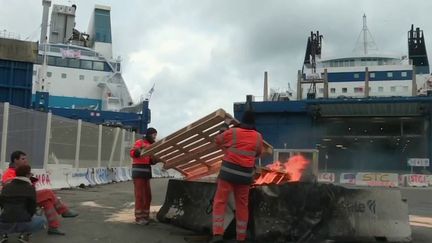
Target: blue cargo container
x,y
16,82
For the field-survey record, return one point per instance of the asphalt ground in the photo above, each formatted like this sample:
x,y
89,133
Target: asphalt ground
x,y
106,215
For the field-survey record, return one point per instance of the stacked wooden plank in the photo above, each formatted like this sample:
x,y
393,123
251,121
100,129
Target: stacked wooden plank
x,y
191,150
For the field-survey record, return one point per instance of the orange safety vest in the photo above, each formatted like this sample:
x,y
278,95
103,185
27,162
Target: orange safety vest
x,y
9,175
141,165
140,143
241,146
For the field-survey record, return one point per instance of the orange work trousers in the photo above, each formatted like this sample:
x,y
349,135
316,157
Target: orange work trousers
x,y
241,196
143,198
51,205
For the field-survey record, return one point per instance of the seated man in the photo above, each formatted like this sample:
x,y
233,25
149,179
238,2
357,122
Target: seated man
x,y
45,199
18,201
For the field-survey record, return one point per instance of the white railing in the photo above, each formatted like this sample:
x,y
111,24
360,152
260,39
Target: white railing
x,y
49,139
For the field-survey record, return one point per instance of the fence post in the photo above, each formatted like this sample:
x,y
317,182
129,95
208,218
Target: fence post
x,y
99,160
122,146
47,139
4,135
78,144
113,147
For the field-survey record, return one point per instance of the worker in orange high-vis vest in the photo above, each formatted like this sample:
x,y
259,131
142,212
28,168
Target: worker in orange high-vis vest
x,y
242,144
141,175
45,198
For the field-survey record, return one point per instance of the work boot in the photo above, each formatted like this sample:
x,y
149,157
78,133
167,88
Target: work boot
x,y
4,238
55,231
24,238
142,222
69,214
217,239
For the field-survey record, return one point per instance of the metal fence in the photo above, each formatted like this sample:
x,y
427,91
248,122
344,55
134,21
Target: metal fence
x,y
49,139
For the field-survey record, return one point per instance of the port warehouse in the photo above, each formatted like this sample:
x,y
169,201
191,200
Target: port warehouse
x,y
351,135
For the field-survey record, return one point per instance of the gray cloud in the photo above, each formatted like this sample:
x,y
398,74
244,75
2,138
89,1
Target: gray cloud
x,y
205,55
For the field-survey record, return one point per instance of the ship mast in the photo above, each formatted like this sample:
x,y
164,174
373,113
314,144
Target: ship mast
x,y
365,30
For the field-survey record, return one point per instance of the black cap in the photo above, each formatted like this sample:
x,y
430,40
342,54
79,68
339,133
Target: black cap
x,y
248,118
150,131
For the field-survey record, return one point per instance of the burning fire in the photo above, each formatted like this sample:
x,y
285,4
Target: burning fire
x,y
278,173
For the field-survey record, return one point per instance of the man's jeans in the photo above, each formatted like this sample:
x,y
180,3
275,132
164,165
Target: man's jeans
x,y
37,223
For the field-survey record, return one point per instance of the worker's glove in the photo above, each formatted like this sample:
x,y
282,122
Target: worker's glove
x,y
153,160
223,128
137,153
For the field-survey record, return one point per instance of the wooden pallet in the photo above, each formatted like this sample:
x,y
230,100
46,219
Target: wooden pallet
x,y
191,150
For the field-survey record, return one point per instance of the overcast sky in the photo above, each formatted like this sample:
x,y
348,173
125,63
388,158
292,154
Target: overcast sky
x,y
204,55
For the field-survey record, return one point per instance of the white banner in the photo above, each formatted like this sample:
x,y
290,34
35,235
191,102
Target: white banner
x,y
415,180
326,177
347,178
418,162
377,179
68,53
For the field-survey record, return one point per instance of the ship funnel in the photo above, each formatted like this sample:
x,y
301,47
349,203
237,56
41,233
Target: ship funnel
x,y
44,29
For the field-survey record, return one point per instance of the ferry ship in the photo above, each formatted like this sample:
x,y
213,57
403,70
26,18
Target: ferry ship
x,y
367,73
74,73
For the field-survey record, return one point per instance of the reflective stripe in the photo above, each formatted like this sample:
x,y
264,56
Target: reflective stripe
x,y
242,152
218,216
218,224
241,231
236,172
141,169
241,223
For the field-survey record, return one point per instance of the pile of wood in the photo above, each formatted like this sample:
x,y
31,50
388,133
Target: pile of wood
x,y
192,150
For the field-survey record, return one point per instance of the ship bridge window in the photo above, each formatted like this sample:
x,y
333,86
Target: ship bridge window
x,y
393,88
356,75
404,74
49,74
389,74
62,62
380,89
372,75
332,90
99,66
63,75
39,59
81,77
51,61
86,64
344,90
74,63
358,90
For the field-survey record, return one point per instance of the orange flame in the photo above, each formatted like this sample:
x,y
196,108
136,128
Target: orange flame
x,y
278,173
295,166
